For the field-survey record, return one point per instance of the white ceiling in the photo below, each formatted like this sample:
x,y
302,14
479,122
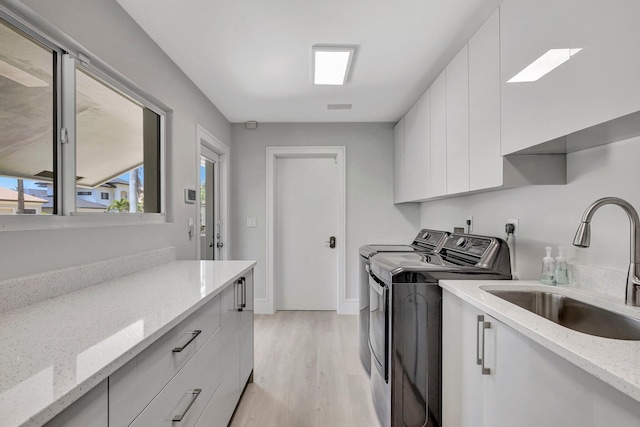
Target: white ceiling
x,y
252,58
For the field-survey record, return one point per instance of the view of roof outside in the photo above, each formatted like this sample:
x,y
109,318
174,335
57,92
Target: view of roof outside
x,y
109,142
112,196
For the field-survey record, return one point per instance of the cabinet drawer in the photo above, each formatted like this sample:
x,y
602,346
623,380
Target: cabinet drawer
x,y
186,396
133,386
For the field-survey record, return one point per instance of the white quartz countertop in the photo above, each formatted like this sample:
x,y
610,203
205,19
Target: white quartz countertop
x,y
54,351
616,362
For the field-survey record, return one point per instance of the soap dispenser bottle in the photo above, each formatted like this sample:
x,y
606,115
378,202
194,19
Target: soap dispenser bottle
x,y
548,268
562,273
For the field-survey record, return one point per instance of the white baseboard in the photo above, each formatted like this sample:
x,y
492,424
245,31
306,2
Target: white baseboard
x,y
350,306
263,307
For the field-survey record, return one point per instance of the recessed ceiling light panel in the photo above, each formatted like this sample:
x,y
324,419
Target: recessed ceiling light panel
x,y
331,64
552,59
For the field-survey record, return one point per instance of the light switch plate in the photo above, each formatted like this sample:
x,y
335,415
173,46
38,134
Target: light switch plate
x,y
252,222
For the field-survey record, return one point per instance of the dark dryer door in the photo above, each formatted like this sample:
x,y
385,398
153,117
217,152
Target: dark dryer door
x,y
416,346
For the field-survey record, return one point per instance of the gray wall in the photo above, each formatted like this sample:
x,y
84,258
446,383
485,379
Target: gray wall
x,y
371,214
107,32
549,215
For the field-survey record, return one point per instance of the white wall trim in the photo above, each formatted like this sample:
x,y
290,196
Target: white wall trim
x,y
339,153
204,137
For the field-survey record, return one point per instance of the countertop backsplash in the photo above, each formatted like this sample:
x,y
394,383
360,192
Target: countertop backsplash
x,y
601,280
22,291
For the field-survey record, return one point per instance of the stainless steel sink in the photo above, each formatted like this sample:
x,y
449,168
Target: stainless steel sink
x,y
574,314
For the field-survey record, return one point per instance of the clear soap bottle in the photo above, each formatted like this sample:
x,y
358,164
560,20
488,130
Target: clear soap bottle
x,y
562,270
548,268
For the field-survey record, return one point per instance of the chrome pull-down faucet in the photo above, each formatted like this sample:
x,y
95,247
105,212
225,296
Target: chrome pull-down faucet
x,y
583,239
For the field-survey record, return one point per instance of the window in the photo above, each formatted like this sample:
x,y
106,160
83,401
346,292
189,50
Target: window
x,y
27,122
118,143
113,147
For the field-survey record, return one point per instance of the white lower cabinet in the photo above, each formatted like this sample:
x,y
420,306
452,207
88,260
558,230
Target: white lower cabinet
x,y
523,383
185,397
236,357
246,332
191,376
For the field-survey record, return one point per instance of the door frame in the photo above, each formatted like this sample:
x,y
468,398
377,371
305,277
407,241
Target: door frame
x,y
204,137
268,304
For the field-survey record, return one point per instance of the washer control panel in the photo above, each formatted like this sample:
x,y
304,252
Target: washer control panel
x,y
429,239
475,246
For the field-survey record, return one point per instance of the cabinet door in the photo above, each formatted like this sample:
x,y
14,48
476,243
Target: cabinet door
x,y
398,163
439,136
537,111
507,394
462,381
246,332
605,81
457,83
89,411
417,147
485,159
229,392
597,82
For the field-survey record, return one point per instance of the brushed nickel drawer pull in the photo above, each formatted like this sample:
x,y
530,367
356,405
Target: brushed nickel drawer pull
x,y
244,292
194,395
194,334
238,288
485,370
480,320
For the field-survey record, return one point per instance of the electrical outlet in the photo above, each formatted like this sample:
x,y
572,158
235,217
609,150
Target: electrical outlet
x,y
469,224
516,226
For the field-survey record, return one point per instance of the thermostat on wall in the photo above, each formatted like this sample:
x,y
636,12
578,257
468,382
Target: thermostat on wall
x,y
189,195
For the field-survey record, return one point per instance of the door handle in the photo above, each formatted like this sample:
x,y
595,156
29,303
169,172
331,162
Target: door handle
x,y
219,244
331,242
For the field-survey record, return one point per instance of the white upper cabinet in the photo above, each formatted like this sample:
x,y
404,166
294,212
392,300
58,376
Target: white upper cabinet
x,y
597,82
605,74
533,112
399,190
485,160
439,136
458,122
417,147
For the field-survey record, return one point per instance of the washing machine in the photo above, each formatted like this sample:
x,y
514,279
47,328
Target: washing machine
x,y
405,330
427,241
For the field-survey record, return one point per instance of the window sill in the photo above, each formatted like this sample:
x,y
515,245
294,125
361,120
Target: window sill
x,y
78,220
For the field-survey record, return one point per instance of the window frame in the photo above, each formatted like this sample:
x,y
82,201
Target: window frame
x,y
65,63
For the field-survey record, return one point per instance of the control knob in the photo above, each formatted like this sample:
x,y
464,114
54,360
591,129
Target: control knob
x,y
461,242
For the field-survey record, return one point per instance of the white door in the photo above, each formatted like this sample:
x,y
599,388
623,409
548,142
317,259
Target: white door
x,y
306,218
209,227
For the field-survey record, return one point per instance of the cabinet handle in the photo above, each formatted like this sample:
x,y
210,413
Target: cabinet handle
x,y
193,334
238,286
194,395
479,357
485,326
244,292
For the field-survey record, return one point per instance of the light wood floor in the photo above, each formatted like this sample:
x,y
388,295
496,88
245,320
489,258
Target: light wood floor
x,y
307,373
